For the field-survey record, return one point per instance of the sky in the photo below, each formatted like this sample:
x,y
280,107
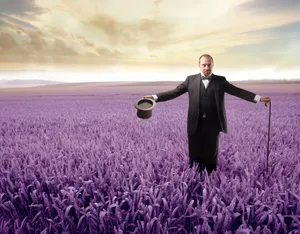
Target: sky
x,y
100,40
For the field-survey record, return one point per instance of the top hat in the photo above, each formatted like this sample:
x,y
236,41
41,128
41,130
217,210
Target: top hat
x,y
145,107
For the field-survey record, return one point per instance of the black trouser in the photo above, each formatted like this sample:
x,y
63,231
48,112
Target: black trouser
x,y
203,145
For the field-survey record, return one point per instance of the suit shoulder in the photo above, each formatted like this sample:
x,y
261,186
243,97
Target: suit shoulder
x,y
191,76
220,77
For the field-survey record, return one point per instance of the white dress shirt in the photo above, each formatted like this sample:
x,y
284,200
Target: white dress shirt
x,y
206,82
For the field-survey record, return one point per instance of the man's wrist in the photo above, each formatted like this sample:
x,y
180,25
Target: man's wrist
x,y
257,98
155,97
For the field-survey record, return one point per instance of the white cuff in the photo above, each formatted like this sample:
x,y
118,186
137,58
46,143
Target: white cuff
x,y
257,98
155,97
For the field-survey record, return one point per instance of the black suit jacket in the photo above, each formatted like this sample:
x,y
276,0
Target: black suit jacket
x,y
192,86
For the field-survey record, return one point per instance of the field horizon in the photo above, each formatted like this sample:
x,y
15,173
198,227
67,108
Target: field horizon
x,y
98,88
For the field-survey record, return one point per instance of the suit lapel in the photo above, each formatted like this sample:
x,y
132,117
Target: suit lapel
x,y
215,82
216,88
197,86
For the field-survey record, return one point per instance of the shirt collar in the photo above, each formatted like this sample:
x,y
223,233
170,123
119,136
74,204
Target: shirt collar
x,y
204,75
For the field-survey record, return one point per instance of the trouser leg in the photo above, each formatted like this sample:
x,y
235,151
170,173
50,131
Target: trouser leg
x,y
203,146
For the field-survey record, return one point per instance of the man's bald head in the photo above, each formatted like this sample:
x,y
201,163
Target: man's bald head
x,y
208,56
206,63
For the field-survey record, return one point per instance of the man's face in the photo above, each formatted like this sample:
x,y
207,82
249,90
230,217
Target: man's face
x,y
206,65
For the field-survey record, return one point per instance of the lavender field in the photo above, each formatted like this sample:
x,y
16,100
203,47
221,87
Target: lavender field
x,y
84,163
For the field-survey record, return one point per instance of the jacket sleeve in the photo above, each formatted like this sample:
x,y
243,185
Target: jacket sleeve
x,y
238,92
174,93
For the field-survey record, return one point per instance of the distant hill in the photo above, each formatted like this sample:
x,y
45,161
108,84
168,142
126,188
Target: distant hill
x,y
17,83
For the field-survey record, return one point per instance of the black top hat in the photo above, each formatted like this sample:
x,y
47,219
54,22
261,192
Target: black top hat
x,y
145,107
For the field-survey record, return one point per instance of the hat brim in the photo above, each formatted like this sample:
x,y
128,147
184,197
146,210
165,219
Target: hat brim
x,y
145,104
145,107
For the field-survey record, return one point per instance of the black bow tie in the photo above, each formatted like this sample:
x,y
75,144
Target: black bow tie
x,y
205,78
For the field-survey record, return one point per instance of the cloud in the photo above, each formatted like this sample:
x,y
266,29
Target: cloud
x,y
8,20
280,49
104,52
7,42
116,32
157,2
281,30
19,7
276,40
147,31
156,9
270,6
23,45
87,43
3,24
151,32
33,43
59,47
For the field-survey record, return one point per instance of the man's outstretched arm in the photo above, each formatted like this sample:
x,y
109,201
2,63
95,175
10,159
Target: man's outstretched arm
x,y
171,94
244,94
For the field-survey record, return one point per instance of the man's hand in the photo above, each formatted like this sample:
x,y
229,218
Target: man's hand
x,y
265,100
149,96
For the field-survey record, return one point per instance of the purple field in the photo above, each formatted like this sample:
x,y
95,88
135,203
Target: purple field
x,y
83,162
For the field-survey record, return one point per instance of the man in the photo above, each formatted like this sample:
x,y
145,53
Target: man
x,y
206,112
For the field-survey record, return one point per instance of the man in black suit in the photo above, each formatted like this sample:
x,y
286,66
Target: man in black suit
x,y
206,112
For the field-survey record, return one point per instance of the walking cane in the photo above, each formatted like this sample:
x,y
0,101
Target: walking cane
x,y
268,145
